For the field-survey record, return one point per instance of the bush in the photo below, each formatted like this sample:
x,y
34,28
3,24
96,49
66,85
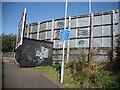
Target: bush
x,y
104,79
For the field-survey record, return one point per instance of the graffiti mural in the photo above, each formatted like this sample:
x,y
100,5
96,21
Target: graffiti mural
x,y
41,55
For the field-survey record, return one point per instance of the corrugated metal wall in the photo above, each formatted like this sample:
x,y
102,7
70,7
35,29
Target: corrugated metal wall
x,y
97,35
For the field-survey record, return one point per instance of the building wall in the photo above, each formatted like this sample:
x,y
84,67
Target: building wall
x,y
97,34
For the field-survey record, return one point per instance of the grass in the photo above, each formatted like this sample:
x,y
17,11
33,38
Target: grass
x,y
102,78
51,73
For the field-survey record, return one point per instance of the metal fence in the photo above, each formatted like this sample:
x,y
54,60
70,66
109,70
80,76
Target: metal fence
x,y
95,31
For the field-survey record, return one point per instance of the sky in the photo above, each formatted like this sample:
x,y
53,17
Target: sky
x,y
42,11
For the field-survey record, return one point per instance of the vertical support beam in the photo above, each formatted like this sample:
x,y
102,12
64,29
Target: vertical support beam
x,y
102,41
76,31
46,31
68,42
102,29
76,36
113,34
52,31
91,39
28,30
38,29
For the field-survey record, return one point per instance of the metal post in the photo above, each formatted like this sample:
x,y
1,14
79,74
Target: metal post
x,y
90,6
90,16
62,66
68,48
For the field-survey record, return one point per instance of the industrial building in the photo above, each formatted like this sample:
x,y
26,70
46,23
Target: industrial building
x,y
94,33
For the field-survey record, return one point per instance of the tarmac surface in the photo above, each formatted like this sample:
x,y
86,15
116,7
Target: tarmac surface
x,y
15,77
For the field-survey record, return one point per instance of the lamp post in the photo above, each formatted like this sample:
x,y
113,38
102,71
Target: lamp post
x,y
62,65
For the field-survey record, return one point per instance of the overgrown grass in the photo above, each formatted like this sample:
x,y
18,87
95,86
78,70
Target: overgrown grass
x,y
88,77
52,74
93,76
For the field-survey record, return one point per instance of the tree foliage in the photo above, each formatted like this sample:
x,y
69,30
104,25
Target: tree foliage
x,y
8,41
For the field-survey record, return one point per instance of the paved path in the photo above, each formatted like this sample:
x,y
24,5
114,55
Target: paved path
x,y
15,77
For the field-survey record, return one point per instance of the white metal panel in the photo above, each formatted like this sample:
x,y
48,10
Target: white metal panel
x,y
97,20
107,19
97,42
97,31
42,36
49,25
43,26
34,28
73,22
72,33
72,43
107,30
83,21
107,42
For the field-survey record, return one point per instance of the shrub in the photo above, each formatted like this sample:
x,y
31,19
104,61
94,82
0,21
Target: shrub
x,y
104,79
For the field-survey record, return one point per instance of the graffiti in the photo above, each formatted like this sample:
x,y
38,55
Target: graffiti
x,y
82,32
59,44
81,42
41,55
60,24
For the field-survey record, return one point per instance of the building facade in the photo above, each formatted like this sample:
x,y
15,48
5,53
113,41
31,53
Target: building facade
x,y
94,33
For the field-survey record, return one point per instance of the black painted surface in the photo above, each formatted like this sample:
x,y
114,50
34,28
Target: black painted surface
x,y
34,53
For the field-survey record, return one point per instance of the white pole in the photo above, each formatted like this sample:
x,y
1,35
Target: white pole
x,y
90,9
62,66
23,26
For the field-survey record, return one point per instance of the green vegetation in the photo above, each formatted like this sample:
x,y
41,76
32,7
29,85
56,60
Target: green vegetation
x,y
90,77
8,41
79,74
53,74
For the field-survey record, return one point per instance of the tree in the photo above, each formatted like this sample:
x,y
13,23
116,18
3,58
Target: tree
x,y
8,41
